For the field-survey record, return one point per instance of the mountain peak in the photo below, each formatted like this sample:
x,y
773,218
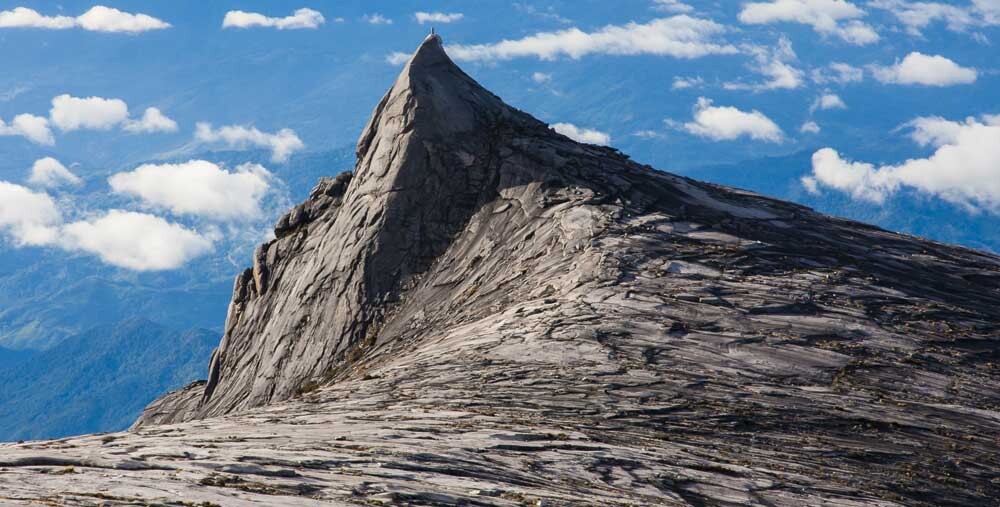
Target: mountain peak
x,y
477,263
433,95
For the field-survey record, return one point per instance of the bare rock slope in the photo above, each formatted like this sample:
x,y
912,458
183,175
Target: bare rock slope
x,y
488,313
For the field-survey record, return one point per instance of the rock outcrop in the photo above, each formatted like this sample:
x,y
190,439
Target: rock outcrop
x,y
485,312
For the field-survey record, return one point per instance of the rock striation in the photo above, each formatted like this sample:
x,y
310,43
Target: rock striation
x,y
485,312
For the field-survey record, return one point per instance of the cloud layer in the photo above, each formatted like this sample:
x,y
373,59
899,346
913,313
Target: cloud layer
x,y
300,19
917,16
98,19
964,168
29,216
33,128
581,135
126,239
679,36
49,172
70,113
723,123
920,69
197,187
282,144
837,18
136,241
153,120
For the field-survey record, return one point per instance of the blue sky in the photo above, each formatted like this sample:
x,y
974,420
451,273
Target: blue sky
x,y
887,98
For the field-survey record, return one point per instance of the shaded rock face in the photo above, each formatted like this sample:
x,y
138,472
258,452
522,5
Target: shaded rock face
x,y
501,315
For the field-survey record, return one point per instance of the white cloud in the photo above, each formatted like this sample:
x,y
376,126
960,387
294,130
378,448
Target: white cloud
x,y
49,172
916,16
541,77
73,113
927,70
106,19
29,217
723,123
300,19
672,6
135,241
438,17
828,101
678,36
683,83
197,187
98,19
126,239
773,64
964,169
809,127
838,18
22,17
34,128
377,19
152,121
581,135
397,58
282,144
839,73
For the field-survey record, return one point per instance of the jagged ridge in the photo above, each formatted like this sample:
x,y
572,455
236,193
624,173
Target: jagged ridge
x,y
749,349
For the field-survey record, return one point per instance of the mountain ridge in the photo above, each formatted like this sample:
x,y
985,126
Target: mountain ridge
x,y
485,312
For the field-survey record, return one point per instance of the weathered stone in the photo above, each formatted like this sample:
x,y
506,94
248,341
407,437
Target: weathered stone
x,y
493,314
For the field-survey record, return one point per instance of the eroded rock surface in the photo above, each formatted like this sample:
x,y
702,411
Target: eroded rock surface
x,y
488,313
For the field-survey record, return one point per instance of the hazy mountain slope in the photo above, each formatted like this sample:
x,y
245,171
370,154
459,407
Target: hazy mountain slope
x,y
99,380
908,212
485,312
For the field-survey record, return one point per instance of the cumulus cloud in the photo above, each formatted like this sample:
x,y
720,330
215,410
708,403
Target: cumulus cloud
x,y
282,144
838,73
581,135
837,18
74,113
828,101
106,19
153,120
773,64
197,187
675,6
964,168
916,16
809,127
438,17
678,36
34,128
49,172
136,241
126,239
927,70
300,19
30,218
724,123
377,19
98,19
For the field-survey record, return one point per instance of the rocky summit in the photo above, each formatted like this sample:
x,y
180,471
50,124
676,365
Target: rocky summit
x,y
485,312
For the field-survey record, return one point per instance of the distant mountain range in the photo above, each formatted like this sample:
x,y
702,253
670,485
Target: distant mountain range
x,y
67,320
99,380
908,212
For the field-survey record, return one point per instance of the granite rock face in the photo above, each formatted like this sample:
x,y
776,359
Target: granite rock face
x,y
485,312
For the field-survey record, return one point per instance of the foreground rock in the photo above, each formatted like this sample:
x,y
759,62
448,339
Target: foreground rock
x,y
501,316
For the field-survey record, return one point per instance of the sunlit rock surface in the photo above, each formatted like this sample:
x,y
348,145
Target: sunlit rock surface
x,y
485,312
